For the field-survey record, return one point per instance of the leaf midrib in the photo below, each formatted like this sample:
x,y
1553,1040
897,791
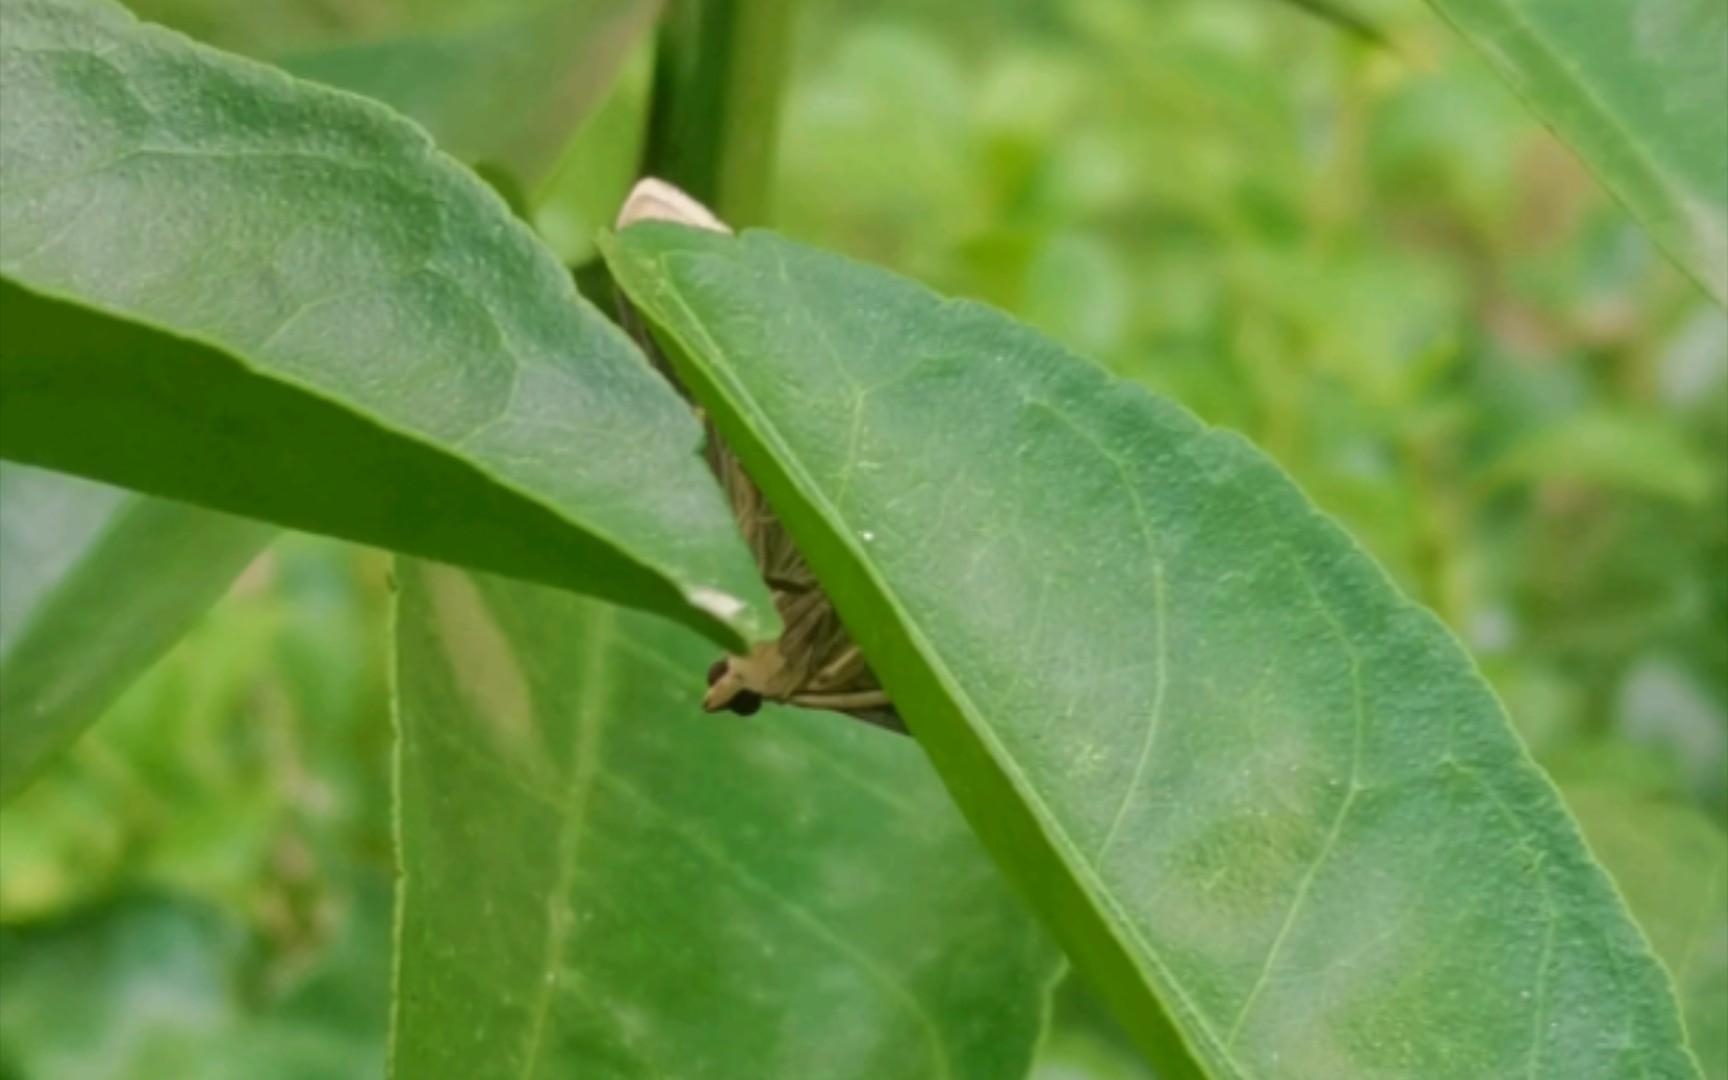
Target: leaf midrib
x,y
595,682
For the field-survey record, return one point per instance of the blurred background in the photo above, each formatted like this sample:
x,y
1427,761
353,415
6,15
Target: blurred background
x,y
1363,254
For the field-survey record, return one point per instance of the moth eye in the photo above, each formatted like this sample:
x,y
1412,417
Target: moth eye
x,y
745,703
715,670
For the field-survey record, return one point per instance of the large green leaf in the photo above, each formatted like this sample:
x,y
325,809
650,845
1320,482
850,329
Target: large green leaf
x,y
95,585
1638,90
1671,864
275,299
600,880
1264,801
505,91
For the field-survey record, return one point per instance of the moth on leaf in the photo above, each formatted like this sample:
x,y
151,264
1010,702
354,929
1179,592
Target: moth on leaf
x,y
814,664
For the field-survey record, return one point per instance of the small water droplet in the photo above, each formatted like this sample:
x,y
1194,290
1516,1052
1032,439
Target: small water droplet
x,y
867,536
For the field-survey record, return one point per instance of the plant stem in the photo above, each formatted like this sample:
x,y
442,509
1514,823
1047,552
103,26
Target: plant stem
x,y
719,66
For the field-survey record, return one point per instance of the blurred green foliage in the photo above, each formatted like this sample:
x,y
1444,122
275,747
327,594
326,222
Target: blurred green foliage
x,y
1369,259
208,870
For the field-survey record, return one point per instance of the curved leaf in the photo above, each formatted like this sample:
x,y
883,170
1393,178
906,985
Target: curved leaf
x,y
1638,90
95,585
599,879
1263,800
275,299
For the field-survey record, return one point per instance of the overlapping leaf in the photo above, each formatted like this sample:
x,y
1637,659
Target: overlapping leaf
x,y
1264,800
262,296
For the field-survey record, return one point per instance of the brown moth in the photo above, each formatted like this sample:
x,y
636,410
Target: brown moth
x,y
814,664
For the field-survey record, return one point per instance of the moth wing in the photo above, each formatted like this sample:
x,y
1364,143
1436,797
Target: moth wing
x,y
776,556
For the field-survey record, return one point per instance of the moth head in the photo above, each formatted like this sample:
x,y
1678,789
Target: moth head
x,y
729,688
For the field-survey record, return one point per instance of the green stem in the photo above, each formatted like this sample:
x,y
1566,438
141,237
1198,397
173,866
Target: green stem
x,y
719,67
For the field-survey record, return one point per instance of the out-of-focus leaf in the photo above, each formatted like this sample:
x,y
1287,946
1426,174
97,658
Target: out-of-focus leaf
x,y
1344,17
259,27
95,585
1637,90
1671,864
1079,293
1265,802
600,879
506,92
582,194
1611,450
268,715
272,298
264,28
247,770
145,989
1669,710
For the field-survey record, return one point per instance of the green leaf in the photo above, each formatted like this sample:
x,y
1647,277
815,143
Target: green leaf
x,y
95,585
1627,451
262,26
506,91
1637,89
1264,801
1671,864
270,298
145,566
1344,17
599,879
500,84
